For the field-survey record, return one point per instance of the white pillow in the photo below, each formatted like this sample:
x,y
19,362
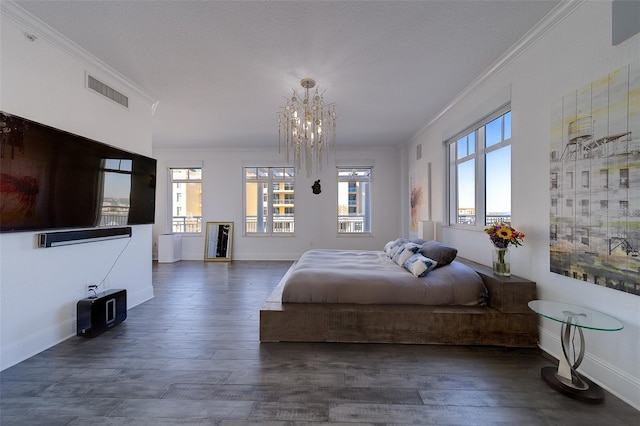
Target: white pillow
x,y
419,265
397,245
408,250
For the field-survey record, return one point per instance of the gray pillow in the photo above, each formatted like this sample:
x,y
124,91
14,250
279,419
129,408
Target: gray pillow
x,y
417,241
439,252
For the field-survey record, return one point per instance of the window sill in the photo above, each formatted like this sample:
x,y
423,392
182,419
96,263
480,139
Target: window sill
x,y
277,235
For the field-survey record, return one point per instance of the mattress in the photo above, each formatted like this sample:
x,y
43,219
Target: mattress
x,y
371,277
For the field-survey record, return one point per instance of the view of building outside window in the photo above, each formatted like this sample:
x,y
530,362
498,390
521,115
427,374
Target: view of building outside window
x,y
269,200
354,200
186,200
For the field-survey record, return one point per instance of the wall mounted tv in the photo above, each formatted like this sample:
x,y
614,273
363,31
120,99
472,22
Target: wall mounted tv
x,y
52,179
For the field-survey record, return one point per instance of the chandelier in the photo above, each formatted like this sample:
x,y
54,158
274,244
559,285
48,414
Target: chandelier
x,y
307,127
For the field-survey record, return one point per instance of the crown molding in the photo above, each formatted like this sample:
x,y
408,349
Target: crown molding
x,y
33,25
548,22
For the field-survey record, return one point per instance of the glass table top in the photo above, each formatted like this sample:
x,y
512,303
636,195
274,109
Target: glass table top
x,y
576,315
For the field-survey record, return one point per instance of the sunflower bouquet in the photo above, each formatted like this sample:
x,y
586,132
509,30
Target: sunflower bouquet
x,y
503,235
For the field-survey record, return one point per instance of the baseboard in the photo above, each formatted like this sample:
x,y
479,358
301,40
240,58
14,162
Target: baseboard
x,y
285,257
257,256
29,346
138,297
44,339
617,382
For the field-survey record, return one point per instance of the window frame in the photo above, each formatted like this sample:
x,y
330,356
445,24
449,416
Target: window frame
x,y
269,180
480,157
171,181
368,216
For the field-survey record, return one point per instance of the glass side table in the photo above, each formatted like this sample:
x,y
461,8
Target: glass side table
x,y
574,318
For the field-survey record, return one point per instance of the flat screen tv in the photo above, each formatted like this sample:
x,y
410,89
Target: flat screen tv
x,y
51,179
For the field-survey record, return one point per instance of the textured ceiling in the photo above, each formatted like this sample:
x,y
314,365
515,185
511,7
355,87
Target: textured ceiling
x,y
220,69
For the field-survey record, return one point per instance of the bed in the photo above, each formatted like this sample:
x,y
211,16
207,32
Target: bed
x,y
348,300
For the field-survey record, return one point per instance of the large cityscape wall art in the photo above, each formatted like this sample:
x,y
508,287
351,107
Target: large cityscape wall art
x,y
595,182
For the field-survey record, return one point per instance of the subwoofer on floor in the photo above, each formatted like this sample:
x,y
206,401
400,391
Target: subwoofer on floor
x,y
95,315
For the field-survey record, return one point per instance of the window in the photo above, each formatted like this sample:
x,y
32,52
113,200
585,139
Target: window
x,y
354,200
186,200
584,207
269,198
585,179
569,180
624,178
604,178
584,239
480,172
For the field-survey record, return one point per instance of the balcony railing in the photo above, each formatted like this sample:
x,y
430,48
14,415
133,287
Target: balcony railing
x,y
283,201
469,219
186,224
114,220
281,225
351,224
506,218
114,215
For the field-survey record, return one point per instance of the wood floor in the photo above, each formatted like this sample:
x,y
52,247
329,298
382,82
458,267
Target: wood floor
x,y
192,356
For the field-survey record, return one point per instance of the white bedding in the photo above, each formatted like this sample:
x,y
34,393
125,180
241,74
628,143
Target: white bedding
x,y
371,277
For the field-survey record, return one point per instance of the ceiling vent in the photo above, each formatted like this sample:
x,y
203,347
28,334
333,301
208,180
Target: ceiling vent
x,y
107,91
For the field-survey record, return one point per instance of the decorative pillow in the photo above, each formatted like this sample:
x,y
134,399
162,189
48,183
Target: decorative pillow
x,y
387,247
397,253
439,252
405,252
397,244
419,265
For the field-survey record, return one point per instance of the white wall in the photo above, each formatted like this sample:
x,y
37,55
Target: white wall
x,y
43,81
570,55
315,215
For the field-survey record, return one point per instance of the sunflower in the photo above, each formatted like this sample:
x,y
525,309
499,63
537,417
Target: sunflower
x,y
505,233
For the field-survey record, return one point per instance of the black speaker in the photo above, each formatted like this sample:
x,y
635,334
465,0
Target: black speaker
x,y
95,315
64,238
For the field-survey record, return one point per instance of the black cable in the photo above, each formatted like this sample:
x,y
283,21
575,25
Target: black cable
x,y
114,263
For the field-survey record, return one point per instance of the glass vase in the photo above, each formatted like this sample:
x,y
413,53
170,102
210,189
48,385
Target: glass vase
x,y
501,261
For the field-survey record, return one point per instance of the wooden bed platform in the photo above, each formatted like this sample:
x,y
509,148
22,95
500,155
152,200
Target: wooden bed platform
x,y
506,321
